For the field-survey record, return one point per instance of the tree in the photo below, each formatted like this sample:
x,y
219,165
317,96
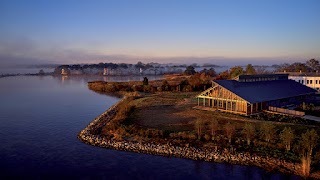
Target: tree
x,y
189,70
194,80
198,126
287,136
249,132
211,72
261,70
267,131
139,65
236,71
307,143
250,69
205,79
223,75
165,85
230,130
214,124
41,72
145,81
313,64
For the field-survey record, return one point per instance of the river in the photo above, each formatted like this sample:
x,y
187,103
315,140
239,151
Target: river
x,y
40,118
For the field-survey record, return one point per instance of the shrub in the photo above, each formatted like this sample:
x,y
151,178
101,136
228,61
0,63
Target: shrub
x,y
287,136
230,130
248,132
267,131
207,137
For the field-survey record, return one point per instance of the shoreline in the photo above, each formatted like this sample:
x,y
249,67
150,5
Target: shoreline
x,y
168,150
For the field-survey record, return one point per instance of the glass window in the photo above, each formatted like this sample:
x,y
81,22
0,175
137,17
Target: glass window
x,y
316,81
310,81
301,81
307,81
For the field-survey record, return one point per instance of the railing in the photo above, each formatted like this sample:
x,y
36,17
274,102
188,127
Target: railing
x,y
286,111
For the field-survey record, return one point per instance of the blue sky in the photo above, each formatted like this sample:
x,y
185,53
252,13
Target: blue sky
x,y
177,31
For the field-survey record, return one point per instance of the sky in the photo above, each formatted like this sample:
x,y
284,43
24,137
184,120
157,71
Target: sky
x,y
220,32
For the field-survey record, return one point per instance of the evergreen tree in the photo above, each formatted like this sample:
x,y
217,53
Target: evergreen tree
x,y
189,70
145,81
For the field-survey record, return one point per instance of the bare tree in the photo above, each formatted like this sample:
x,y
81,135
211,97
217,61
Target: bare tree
x,y
267,130
287,136
307,143
313,64
230,130
249,132
198,126
214,124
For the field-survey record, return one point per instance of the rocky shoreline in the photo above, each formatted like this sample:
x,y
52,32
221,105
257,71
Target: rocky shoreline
x,y
169,150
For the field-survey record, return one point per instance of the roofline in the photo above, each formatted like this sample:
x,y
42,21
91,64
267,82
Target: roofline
x,y
264,101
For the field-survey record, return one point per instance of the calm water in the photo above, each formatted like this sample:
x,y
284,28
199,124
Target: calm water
x,y
39,121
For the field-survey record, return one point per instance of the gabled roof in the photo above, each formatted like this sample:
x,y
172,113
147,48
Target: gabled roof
x,y
262,91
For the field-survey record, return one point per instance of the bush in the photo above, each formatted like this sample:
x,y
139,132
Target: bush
x,y
138,88
207,137
192,136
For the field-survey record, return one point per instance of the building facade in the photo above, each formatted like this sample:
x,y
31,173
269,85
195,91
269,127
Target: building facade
x,y
254,94
310,81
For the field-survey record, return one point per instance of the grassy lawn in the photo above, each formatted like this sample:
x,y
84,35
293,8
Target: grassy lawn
x,y
175,112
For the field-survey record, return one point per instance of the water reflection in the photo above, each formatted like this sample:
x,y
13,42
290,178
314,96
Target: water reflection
x,y
85,79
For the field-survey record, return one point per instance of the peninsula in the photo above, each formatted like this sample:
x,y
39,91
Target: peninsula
x,y
163,117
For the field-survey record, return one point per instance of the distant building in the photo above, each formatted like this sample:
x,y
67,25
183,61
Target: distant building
x,y
311,81
105,72
64,72
261,77
251,94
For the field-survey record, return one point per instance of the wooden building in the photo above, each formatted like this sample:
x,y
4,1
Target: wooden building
x,y
248,97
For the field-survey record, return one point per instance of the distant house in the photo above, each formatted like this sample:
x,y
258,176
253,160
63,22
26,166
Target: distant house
x,y
251,94
64,72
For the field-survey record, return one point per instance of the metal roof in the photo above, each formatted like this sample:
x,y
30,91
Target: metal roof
x,y
255,76
261,91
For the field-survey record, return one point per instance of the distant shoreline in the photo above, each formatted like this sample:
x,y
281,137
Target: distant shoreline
x,y
73,75
26,74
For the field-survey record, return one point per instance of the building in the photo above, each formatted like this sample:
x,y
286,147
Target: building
x,y
311,81
261,77
64,72
252,94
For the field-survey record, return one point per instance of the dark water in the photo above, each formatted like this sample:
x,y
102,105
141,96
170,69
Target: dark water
x,y
39,121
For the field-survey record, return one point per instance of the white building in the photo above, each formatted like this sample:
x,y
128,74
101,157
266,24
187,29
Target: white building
x,y
310,81
64,72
